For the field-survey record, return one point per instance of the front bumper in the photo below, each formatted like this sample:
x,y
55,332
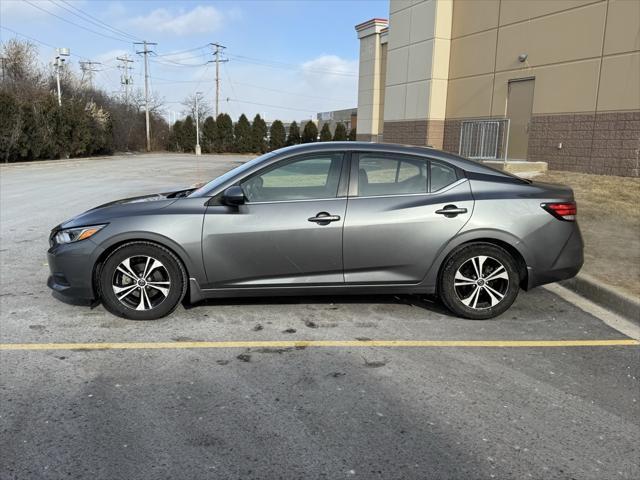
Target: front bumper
x,y
71,267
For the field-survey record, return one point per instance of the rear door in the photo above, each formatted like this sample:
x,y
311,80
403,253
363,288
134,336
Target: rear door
x,y
402,210
289,231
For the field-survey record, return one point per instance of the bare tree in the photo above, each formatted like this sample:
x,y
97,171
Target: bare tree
x,y
156,102
20,71
189,103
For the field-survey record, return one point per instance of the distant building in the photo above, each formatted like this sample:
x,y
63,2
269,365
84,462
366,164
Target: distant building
x,y
348,117
300,123
552,81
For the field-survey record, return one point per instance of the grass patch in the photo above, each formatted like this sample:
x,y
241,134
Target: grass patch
x,y
609,218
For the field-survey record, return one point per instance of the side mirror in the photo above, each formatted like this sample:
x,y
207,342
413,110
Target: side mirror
x,y
233,196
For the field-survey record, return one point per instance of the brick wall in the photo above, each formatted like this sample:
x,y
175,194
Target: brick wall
x,y
415,132
451,142
365,137
602,143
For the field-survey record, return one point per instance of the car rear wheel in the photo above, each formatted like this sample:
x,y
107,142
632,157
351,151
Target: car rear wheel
x,y
142,281
479,281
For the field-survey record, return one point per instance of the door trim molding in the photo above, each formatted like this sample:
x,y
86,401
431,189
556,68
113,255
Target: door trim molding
x,y
523,79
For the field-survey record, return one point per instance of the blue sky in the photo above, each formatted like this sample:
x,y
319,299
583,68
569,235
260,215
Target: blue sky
x,y
294,57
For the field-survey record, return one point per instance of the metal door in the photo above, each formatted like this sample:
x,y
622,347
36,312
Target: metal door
x,y
519,108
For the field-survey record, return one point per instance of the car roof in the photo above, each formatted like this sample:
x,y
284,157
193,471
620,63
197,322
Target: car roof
x,y
460,162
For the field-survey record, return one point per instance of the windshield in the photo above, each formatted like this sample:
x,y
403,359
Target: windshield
x,y
206,190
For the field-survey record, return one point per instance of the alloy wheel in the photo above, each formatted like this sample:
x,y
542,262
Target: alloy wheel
x,y
141,282
481,282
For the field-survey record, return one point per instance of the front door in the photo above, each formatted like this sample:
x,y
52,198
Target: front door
x,y
289,231
519,108
404,211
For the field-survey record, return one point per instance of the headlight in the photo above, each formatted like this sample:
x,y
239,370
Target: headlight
x,y
70,235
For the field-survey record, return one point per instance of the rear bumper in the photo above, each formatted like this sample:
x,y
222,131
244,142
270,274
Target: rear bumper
x,y
567,264
71,268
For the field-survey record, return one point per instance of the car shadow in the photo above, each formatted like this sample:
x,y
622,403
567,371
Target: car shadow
x,y
426,302
76,302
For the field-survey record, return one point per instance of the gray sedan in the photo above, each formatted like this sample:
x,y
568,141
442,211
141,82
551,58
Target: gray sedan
x,y
325,218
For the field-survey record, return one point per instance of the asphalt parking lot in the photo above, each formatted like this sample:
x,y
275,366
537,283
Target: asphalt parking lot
x,y
291,387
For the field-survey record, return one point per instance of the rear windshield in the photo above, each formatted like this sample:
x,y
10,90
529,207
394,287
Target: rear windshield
x,y
490,169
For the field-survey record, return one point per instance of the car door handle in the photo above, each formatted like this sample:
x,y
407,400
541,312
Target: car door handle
x,y
324,218
451,211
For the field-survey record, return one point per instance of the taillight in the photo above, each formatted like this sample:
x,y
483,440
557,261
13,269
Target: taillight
x,y
562,210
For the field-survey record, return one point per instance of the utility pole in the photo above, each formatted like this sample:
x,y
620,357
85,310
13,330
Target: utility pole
x,y
125,78
198,150
216,54
88,69
61,52
146,52
3,61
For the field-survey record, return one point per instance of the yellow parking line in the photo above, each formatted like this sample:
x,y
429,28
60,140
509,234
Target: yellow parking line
x,y
318,343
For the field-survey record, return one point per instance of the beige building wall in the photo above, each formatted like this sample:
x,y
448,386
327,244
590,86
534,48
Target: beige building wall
x,y
584,59
452,60
371,79
417,71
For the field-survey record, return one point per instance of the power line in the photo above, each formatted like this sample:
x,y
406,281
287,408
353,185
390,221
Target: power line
x,y
287,66
181,59
237,100
93,20
37,41
226,71
231,82
168,81
107,73
180,52
88,69
177,64
75,24
292,93
268,105
204,72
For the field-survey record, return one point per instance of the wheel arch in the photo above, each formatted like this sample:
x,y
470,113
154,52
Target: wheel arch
x,y
164,242
515,254
513,245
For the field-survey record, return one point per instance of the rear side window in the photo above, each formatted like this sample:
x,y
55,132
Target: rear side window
x,y
442,176
390,175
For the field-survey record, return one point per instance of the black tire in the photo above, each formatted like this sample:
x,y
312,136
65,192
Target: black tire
x,y
454,293
171,276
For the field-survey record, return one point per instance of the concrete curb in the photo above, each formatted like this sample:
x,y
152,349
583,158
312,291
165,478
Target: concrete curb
x,y
606,296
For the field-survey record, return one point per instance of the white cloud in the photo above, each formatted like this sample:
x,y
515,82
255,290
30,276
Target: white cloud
x,y
321,84
110,56
330,66
200,19
16,10
115,11
332,76
290,93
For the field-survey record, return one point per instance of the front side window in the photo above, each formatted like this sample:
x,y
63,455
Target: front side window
x,y
310,177
390,175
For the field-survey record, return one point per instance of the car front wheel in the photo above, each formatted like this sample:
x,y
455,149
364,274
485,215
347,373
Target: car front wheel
x,y
142,281
479,281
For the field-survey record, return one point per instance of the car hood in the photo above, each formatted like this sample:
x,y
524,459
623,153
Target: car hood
x,y
124,207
